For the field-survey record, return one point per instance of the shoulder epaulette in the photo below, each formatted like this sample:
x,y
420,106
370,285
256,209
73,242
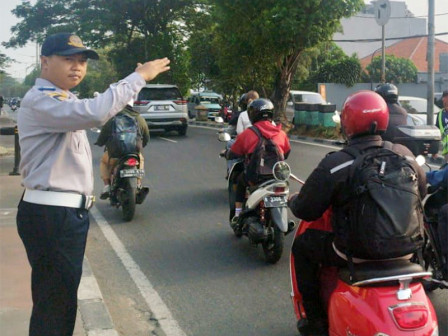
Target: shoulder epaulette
x,y
59,95
47,88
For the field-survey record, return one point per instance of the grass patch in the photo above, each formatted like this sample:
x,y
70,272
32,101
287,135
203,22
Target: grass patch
x,y
322,132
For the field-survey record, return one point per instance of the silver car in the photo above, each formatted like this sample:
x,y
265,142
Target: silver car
x,y
163,107
301,97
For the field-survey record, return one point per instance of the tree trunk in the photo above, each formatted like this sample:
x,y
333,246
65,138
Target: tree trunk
x,y
282,86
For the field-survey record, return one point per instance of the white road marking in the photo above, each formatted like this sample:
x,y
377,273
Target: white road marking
x,y
167,139
163,315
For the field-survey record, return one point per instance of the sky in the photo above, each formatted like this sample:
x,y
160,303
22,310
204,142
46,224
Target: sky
x,y
25,57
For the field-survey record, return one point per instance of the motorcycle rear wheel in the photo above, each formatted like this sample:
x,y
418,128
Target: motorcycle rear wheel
x,y
273,247
128,202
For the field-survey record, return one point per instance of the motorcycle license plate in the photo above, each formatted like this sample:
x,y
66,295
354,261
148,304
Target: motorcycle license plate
x,y
275,201
132,173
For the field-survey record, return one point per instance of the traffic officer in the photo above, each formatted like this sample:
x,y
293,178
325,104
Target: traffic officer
x,y
56,166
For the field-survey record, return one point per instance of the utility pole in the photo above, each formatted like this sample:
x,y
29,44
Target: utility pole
x,y
430,60
382,13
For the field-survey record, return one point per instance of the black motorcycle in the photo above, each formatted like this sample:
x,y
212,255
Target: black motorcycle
x,y
124,190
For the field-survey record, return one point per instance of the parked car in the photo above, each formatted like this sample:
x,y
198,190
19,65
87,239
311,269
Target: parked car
x,y
416,108
438,99
163,107
210,100
301,97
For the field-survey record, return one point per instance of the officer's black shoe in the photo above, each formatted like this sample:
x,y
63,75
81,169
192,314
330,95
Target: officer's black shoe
x,y
315,327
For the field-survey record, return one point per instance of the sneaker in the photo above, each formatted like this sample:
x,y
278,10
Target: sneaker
x,y
105,193
235,225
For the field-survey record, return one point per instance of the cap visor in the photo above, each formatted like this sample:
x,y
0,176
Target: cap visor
x,y
89,53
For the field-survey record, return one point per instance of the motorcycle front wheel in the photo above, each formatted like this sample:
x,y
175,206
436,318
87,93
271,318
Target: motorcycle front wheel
x,y
273,247
128,201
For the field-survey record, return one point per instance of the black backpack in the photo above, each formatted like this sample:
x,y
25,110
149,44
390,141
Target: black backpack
x,y
125,138
384,211
262,159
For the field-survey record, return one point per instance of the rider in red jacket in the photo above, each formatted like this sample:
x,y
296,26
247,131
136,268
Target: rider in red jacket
x,y
261,112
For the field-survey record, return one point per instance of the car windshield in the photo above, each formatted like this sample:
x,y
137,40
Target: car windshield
x,y
159,94
210,100
416,106
308,98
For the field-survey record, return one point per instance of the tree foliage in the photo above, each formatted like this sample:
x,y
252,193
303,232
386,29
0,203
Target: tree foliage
x,y
134,31
266,37
397,70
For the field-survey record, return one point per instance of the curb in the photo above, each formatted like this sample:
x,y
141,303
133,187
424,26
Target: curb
x,y
94,313
295,137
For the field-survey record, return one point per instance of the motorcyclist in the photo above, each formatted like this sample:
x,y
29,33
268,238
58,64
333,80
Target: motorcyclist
x,y
442,124
242,104
107,164
397,114
438,181
364,117
261,112
243,119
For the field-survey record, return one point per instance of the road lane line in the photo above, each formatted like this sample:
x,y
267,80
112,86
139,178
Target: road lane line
x,y
155,303
167,139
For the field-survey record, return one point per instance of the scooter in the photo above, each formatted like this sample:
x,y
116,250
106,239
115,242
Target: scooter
x,y
124,191
264,219
387,298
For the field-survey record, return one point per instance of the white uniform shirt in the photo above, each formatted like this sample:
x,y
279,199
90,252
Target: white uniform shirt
x,y
243,122
55,151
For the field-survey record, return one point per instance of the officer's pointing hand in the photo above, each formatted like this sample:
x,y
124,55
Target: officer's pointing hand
x,y
152,69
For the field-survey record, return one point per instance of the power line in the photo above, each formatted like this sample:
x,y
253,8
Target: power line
x,y
390,38
399,17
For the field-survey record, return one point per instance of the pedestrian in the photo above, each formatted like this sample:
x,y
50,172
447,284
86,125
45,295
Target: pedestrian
x,y
442,124
57,172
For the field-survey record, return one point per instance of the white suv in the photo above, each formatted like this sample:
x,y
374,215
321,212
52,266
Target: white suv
x,y
163,107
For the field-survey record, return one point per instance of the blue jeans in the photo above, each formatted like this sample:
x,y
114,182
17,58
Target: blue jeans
x,y
55,240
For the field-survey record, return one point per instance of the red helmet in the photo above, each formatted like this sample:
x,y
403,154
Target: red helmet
x,y
364,112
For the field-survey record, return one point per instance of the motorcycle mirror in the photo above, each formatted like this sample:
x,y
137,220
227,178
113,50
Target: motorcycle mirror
x,y
281,171
219,120
336,117
224,136
420,160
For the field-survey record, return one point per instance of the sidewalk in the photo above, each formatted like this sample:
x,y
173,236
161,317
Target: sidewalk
x,y
93,318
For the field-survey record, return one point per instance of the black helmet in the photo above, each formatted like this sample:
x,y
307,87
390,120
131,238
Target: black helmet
x,y
260,109
388,91
242,102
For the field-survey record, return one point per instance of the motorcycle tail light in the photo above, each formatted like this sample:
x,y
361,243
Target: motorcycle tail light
x,y
411,316
141,102
180,102
279,190
131,162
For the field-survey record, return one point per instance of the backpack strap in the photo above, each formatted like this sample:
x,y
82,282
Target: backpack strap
x,y
256,131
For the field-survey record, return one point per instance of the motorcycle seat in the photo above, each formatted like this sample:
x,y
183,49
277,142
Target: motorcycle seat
x,y
380,269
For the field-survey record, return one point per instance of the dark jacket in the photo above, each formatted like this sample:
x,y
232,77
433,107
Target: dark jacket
x,y
397,117
327,184
106,130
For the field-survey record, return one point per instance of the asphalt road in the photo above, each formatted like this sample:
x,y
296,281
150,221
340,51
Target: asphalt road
x,y
211,282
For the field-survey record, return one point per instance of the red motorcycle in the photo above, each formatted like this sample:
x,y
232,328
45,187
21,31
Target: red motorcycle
x,y
387,299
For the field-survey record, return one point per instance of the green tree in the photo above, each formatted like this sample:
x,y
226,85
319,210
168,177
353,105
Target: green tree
x,y
134,30
270,36
397,70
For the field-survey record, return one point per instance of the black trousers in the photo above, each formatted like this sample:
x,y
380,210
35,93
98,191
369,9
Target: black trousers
x,y
312,249
55,240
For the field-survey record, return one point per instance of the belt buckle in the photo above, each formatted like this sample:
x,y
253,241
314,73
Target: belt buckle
x,y
88,201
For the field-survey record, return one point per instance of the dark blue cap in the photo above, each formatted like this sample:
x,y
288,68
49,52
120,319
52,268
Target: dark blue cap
x,y
64,44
